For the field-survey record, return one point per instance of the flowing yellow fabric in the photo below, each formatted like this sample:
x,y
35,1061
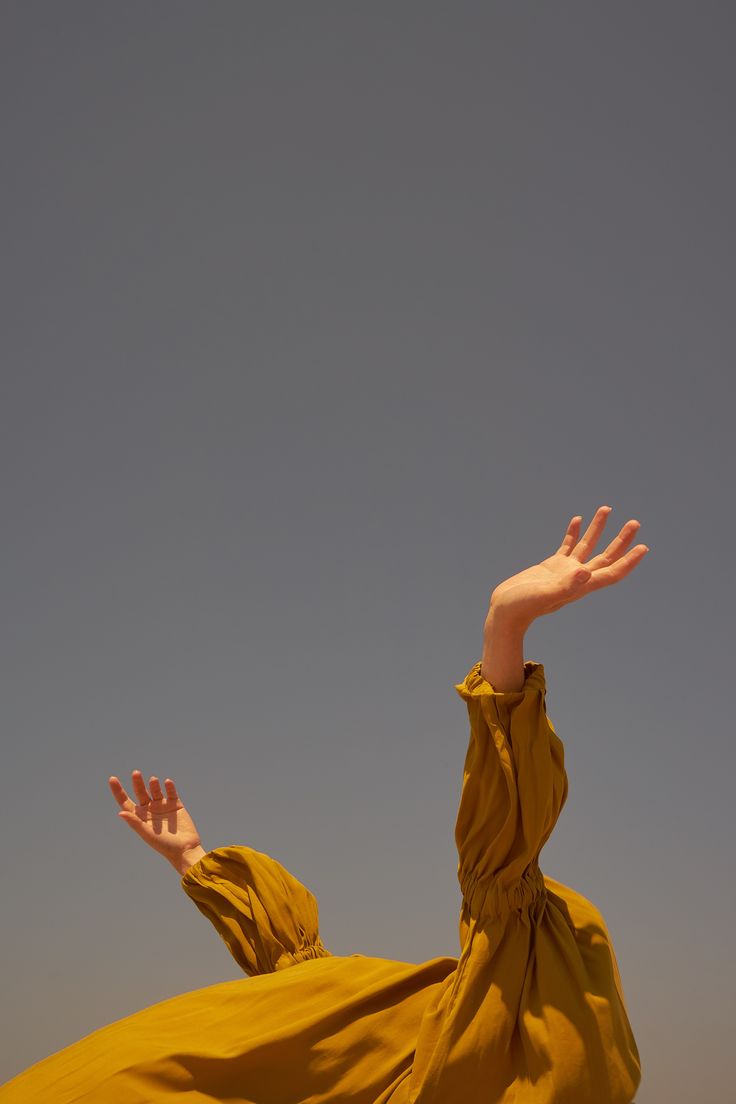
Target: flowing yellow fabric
x,y
532,1012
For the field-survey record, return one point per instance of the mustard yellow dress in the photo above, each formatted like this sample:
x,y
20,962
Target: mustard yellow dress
x,y
532,1012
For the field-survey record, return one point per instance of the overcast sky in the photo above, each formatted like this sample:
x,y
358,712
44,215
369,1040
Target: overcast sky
x,y
319,320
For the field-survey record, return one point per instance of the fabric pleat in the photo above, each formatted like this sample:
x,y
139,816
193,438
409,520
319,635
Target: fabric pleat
x,y
531,1012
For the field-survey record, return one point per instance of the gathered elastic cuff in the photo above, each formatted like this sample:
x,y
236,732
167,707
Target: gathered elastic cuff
x,y
475,686
210,866
196,868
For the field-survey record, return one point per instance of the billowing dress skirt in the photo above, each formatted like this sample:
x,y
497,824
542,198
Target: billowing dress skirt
x,y
532,1012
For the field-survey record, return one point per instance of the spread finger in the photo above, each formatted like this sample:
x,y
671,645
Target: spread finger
x,y
589,539
139,789
119,793
571,536
606,576
155,787
617,547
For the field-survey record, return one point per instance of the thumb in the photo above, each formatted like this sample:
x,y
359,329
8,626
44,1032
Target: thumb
x,y
131,819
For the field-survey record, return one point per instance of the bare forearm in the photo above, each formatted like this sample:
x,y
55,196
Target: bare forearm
x,y
503,649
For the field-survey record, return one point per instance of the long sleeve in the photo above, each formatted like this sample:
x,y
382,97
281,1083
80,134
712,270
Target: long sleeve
x,y
267,918
534,1013
514,786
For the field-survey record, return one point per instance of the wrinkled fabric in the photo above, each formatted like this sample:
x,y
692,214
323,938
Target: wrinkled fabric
x,y
532,1012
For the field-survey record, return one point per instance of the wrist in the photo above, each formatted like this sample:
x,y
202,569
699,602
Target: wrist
x,y
505,619
187,859
502,663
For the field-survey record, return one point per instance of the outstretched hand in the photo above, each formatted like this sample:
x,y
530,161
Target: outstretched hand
x,y
568,574
159,819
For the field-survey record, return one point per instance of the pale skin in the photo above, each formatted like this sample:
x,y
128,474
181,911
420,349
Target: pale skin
x,y
570,573
160,819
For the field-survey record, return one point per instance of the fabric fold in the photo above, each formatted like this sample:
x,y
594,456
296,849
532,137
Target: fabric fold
x,y
532,1012
267,918
514,787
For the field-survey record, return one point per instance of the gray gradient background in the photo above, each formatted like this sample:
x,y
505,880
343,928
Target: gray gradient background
x,y
318,321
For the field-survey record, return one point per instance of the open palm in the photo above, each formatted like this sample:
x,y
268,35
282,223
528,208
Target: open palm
x,y
158,818
568,574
